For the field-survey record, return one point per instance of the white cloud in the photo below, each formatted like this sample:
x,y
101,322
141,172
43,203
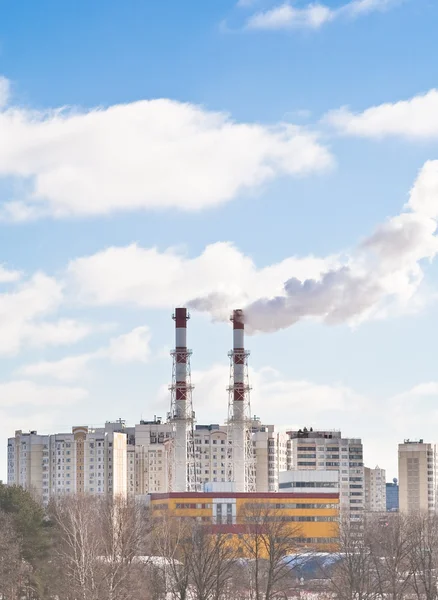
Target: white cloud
x,y
7,276
424,194
381,276
416,118
130,347
132,275
314,15
5,89
286,16
24,311
360,7
21,392
156,154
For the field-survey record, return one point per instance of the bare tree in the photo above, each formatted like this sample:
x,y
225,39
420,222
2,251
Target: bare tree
x,y
172,542
353,577
268,538
389,541
124,526
423,555
210,561
77,520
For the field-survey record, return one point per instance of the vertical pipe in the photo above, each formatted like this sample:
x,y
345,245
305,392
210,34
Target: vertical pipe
x,y
239,400
181,359
180,416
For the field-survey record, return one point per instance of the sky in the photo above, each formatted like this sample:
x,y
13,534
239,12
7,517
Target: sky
x,y
279,157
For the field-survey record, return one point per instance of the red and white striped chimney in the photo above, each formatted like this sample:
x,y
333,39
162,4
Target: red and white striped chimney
x,y
181,318
181,397
239,425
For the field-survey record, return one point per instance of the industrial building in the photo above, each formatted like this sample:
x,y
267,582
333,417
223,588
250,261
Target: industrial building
x,y
177,455
310,518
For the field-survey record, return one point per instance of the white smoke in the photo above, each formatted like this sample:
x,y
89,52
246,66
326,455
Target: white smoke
x,y
379,277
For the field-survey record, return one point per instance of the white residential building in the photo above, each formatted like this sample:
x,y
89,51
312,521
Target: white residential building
x,y
86,460
137,460
270,456
417,468
148,457
329,451
375,489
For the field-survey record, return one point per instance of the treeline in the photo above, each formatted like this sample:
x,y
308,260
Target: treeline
x,y
86,548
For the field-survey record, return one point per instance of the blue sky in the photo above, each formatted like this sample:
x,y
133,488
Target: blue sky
x,y
157,154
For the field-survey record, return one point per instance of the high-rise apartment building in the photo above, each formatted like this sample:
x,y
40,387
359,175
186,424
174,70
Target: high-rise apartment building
x,y
270,456
375,489
417,465
328,450
148,457
135,460
85,460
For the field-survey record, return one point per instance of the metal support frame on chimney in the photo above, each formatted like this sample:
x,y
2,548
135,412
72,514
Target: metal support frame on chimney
x,y
183,475
241,464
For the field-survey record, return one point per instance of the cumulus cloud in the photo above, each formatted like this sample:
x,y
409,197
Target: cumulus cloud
x,y
314,15
381,275
8,276
155,154
130,347
416,118
26,315
136,276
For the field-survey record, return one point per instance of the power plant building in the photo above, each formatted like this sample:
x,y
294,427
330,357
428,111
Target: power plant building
x,y
177,455
311,520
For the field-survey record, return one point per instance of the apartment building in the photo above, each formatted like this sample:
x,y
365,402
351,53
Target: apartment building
x,y
324,450
417,468
138,460
270,456
375,489
148,456
85,460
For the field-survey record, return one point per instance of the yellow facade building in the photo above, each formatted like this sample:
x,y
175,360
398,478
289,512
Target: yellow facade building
x,y
310,519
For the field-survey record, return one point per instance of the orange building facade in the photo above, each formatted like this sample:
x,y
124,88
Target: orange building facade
x,y
312,519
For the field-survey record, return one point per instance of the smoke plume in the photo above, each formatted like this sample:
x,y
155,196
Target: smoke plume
x,y
379,277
